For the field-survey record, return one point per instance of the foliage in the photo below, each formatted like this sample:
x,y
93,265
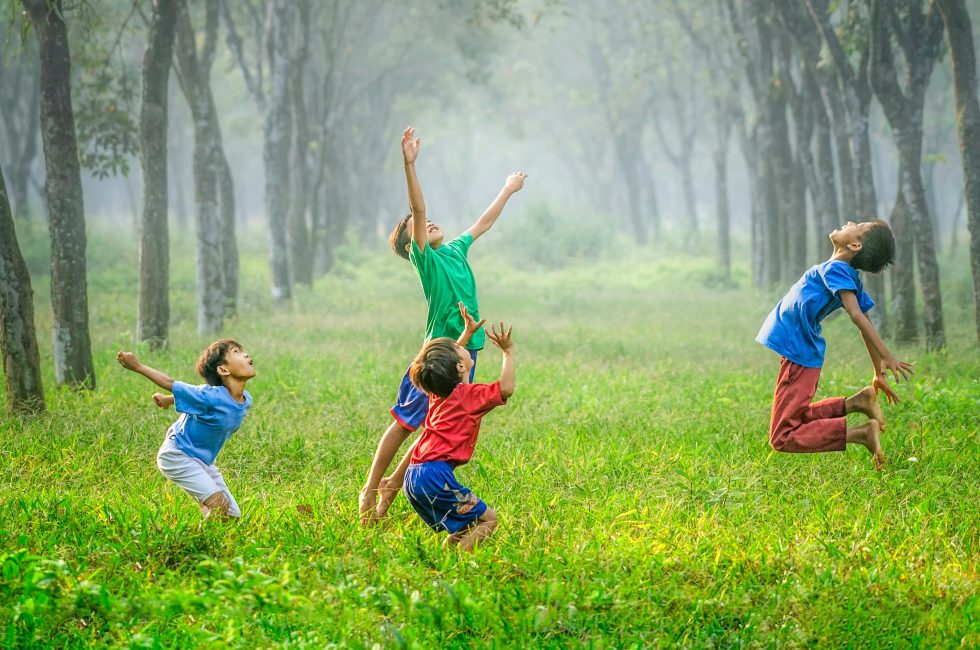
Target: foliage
x,y
640,503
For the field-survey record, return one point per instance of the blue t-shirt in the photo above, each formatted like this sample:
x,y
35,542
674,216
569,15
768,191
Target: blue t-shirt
x,y
210,416
793,328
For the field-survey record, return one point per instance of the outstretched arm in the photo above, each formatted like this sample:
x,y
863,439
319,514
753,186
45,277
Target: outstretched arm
x,y
471,325
881,358
410,151
129,361
514,183
503,341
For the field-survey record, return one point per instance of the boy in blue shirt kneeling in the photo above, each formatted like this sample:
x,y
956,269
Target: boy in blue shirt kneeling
x,y
210,414
793,330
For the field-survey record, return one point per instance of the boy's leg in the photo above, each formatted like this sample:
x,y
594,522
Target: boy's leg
x,y
867,435
231,508
192,476
482,528
389,487
391,440
796,425
409,413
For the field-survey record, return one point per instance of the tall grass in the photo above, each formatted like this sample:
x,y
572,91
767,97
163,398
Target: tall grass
x,y
640,503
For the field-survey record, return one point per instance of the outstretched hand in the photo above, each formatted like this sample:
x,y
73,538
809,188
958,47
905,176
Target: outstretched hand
x,y
901,370
163,401
515,182
128,360
470,324
410,145
880,384
501,338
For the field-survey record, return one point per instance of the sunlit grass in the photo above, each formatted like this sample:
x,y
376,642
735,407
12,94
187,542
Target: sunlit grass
x,y
640,504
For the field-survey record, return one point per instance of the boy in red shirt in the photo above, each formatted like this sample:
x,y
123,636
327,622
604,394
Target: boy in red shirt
x,y
456,407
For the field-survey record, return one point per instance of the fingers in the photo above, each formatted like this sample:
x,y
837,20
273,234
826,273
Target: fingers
x,y
480,324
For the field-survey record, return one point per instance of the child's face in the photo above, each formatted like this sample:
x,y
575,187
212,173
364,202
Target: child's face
x,y
433,233
850,234
238,364
465,363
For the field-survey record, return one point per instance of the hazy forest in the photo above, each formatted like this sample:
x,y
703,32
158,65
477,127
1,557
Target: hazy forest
x,y
177,171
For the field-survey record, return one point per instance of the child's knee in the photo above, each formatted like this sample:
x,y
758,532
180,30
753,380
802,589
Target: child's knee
x,y
219,503
488,519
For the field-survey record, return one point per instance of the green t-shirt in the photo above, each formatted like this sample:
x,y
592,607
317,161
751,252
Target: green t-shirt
x,y
447,279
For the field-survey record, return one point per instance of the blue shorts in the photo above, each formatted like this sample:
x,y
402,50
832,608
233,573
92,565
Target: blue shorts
x,y
413,405
443,502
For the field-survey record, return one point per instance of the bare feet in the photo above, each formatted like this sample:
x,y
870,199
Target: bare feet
x,y
866,401
868,435
366,505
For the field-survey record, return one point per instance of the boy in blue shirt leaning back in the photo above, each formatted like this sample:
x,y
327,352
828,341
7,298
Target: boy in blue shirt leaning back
x,y
210,414
793,330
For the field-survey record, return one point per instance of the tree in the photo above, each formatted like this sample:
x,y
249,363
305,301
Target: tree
x,y
18,340
959,34
20,98
154,300
212,232
919,37
63,188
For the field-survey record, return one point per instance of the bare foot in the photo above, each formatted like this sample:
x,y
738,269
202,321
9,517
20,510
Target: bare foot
x,y
868,435
386,495
366,505
866,401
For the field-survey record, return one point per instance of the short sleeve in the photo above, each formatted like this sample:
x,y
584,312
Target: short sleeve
x,y
420,258
461,244
865,301
482,398
838,276
192,400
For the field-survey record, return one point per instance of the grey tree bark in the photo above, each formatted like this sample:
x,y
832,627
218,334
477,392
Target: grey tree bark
x,y
903,275
20,100
300,251
278,128
196,85
154,284
959,35
63,189
18,340
919,38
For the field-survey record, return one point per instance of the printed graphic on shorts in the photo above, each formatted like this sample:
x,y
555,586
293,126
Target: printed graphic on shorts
x,y
465,501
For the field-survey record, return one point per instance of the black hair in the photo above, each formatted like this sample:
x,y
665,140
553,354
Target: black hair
x,y
212,357
434,369
877,248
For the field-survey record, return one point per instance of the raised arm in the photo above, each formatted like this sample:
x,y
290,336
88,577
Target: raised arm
x,y
503,340
514,183
410,151
471,325
881,358
129,361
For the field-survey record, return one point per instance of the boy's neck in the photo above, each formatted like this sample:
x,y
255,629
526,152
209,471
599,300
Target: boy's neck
x,y
235,387
843,254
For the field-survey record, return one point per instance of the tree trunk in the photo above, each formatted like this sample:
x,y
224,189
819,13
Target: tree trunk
x,y
300,253
63,189
154,287
723,125
195,82
18,340
276,150
903,274
229,228
959,34
903,108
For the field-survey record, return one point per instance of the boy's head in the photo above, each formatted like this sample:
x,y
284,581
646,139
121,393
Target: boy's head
x,y
224,359
401,237
871,242
440,366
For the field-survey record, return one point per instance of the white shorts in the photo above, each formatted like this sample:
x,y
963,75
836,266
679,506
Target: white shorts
x,y
193,476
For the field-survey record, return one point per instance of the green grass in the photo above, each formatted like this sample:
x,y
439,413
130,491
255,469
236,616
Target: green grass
x,y
640,503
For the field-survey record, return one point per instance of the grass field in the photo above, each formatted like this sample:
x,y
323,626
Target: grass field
x,y
640,503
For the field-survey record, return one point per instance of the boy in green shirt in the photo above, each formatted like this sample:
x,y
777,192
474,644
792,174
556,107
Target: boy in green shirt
x,y
450,292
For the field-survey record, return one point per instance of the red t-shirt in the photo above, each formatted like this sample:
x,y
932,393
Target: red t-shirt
x,y
453,423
